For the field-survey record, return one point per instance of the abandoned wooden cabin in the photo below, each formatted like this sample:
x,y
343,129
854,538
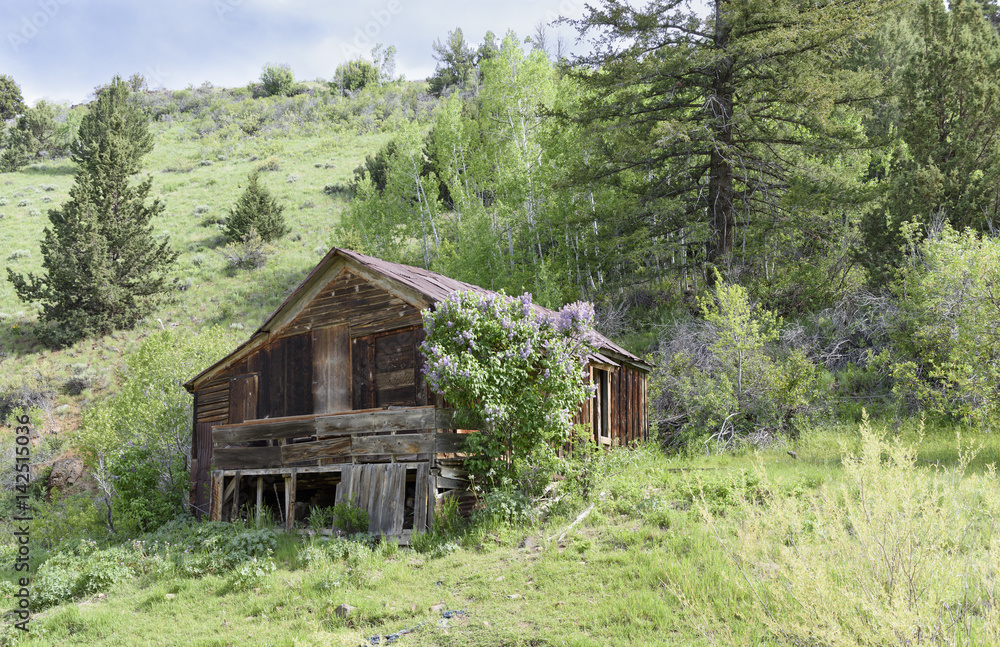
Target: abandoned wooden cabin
x,y
326,403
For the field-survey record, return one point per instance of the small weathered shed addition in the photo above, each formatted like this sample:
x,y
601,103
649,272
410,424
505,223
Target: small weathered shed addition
x,y
326,403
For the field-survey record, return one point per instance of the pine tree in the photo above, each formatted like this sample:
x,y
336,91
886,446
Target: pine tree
x,y
103,268
33,133
948,164
456,63
709,123
11,102
256,209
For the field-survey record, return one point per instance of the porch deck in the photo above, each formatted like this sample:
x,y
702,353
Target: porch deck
x,y
396,463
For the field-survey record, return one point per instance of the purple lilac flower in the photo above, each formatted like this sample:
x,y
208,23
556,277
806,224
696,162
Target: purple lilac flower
x,y
525,300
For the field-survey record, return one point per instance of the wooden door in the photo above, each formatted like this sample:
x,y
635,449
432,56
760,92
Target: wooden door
x,y
332,368
242,398
387,370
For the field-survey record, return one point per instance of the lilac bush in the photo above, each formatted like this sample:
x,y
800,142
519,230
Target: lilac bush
x,y
513,371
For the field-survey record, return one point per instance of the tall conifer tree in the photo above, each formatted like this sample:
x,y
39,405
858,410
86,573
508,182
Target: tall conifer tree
x,y
710,123
103,268
947,166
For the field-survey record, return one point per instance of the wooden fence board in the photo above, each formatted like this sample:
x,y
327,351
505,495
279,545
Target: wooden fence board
x,y
248,457
215,510
394,524
296,427
401,444
372,421
420,499
330,448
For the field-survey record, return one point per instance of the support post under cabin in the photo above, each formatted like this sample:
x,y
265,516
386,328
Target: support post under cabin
x,y
234,514
260,499
215,505
290,483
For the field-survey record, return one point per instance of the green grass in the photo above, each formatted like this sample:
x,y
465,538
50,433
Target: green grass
x,y
653,563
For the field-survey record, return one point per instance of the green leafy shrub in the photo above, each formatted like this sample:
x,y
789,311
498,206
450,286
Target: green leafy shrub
x,y
65,518
513,374
277,80
82,571
726,379
248,253
355,75
146,499
250,574
320,518
503,507
151,415
256,210
947,336
349,518
198,549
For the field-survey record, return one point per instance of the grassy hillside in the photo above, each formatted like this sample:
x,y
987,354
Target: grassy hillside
x,y
207,142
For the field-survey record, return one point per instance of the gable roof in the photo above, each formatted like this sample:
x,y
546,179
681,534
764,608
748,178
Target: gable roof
x,y
421,288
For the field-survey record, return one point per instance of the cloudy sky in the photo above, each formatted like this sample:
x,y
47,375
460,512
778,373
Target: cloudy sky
x,y
60,50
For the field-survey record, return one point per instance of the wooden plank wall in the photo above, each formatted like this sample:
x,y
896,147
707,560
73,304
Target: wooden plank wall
x,y
288,376
331,348
364,437
201,459
381,490
386,370
348,298
628,406
243,398
213,401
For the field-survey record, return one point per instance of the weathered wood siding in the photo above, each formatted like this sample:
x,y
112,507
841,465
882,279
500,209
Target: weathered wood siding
x,y
288,376
387,370
331,369
201,465
348,298
336,436
213,401
628,406
627,415
243,398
